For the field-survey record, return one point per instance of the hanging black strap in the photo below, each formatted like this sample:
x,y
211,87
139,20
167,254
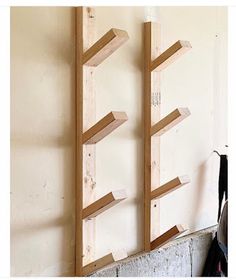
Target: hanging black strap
x,y
215,255
223,182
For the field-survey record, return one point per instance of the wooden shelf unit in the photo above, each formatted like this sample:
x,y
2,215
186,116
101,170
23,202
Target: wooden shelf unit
x,y
88,55
154,127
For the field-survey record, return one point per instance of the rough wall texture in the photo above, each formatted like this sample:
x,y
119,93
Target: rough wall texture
x,y
183,257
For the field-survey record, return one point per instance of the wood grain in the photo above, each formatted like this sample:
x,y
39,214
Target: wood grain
x,y
147,138
169,121
78,141
170,186
170,55
167,236
105,46
89,151
104,127
106,260
103,204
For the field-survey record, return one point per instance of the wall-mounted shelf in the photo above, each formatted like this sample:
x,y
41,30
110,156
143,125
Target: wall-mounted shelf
x,y
167,236
154,127
88,133
170,55
169,121
104,47
104,127
170,187
106,260
103,204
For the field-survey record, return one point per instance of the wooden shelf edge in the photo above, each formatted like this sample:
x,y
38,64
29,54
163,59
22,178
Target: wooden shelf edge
x,y
106,260
104,127
103,204
169,121
170,186
170,55
105,46
168,236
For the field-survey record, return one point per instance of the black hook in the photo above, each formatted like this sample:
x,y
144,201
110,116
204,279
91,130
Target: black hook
x,y
216,152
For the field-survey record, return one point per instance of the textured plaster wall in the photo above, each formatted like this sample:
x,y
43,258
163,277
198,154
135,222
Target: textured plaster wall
x,y
42,121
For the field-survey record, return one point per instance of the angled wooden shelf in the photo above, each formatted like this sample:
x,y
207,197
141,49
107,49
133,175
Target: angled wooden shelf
x,y
167,236
103,204
104,127
170,55
106,260
170,186
169,121
104,47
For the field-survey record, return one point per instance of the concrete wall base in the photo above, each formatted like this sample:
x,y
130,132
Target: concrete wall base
x,y
182,257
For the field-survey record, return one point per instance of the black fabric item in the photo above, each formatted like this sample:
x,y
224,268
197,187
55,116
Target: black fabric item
x,y
223,182
215,263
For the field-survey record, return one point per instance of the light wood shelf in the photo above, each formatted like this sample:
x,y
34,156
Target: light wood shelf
x,y
105,46
170,187
170,55
106,260
104,127
103,204
88,55
169,121
168,236
154,63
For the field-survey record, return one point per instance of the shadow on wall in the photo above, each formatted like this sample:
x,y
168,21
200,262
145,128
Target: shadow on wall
x,y
41,134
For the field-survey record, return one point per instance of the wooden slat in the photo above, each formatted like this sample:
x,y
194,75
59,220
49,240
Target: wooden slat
x,y
78,140
170,187
169,121
104,127
89,151
105,46
103,204
170,55
167,236
147,138
106,260
155,141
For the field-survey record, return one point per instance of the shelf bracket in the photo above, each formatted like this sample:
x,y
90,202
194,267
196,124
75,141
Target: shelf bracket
x,y
104,47
170,55
106,260
169,121
103,204
170,187
104,127
167,236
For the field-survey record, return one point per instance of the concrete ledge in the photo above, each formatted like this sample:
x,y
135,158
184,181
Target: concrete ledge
x,y
182,257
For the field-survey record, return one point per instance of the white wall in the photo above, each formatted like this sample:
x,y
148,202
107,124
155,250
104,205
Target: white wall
x,y
42,122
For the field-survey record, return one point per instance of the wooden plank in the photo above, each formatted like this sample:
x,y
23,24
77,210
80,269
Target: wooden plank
x,y
106,260
78,140
89,151
104,127
170,187
147,138
169,121
170,55
105,46
103,204
155,117
168,236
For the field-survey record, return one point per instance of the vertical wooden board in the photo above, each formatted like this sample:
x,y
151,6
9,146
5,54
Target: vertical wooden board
x,y
147,138
89,119
155,141
78,140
